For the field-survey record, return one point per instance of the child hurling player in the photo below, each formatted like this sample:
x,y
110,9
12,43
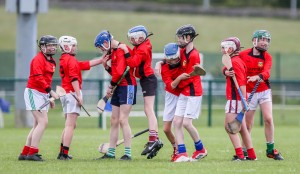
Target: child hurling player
x,y
231,46
123,97
37,92
70,73
140,58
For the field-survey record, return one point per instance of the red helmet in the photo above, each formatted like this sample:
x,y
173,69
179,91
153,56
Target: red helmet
x,y
233,42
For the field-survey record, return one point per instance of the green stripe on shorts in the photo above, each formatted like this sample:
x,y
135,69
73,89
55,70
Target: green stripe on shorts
x,y
31,99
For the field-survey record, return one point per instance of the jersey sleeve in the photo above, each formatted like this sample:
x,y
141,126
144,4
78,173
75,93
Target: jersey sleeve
x,y
136,59
119,67
166,76
84,65
265,74
240,73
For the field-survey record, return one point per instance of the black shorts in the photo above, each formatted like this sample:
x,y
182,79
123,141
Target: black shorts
x,y
149,85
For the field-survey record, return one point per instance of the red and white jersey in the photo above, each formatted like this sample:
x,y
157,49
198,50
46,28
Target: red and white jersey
x,y
193,85
257,65
41,72
141,58
118,66
169,74
70,70
240,69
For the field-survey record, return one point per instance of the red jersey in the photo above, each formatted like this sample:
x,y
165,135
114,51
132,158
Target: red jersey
x,y
141,58
193,85
240,70
41,72
70,70
169,74
257,65
118,66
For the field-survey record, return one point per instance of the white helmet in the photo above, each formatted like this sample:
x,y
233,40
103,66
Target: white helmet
x,y
66,44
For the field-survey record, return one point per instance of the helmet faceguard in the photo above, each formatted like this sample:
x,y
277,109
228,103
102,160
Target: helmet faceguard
x,y
68,44
184,31
137,35
172,53
261,40
231,42
48,45
101,38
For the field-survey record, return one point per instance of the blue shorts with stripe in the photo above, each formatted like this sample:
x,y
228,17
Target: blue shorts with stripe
x,y
124,95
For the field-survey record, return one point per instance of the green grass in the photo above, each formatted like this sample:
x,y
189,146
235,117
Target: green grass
x,y
88,137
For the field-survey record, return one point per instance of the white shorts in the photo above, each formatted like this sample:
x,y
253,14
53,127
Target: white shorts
x,y
188,106
233,106
170,106
70,104
259,98
34,99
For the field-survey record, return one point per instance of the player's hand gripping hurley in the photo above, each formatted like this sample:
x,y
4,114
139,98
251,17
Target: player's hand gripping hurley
x,y
81,105
60,91
102,102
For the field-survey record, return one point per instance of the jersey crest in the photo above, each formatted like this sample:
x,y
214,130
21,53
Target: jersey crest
x,y
260,64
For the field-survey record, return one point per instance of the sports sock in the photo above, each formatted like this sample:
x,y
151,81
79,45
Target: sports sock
x,y
111,152
245,151
198,145
65,151
61,148
153,135
239,152
270,147
181,148
128,151
251,153
25,150
33,150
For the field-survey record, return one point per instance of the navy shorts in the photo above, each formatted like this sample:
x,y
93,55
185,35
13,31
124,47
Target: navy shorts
x,y
124,95
149,85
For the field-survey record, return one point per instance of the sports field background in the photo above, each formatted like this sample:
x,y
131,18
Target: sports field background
x,y
84,25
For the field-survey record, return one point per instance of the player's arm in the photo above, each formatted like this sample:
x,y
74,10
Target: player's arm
x,y
158,67
84,65
265,74
73,76
136,59
181,77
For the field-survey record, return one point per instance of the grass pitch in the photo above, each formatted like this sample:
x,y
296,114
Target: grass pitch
x,y
88,137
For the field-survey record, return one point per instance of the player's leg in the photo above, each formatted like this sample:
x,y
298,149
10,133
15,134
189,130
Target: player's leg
x,y
33,100
246,137
169,112
149,86
178,127
235,139
27,145
124,124
266,108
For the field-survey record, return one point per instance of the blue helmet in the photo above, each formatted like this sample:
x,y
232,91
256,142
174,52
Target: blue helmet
x,y
137,32
171,51
101,37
